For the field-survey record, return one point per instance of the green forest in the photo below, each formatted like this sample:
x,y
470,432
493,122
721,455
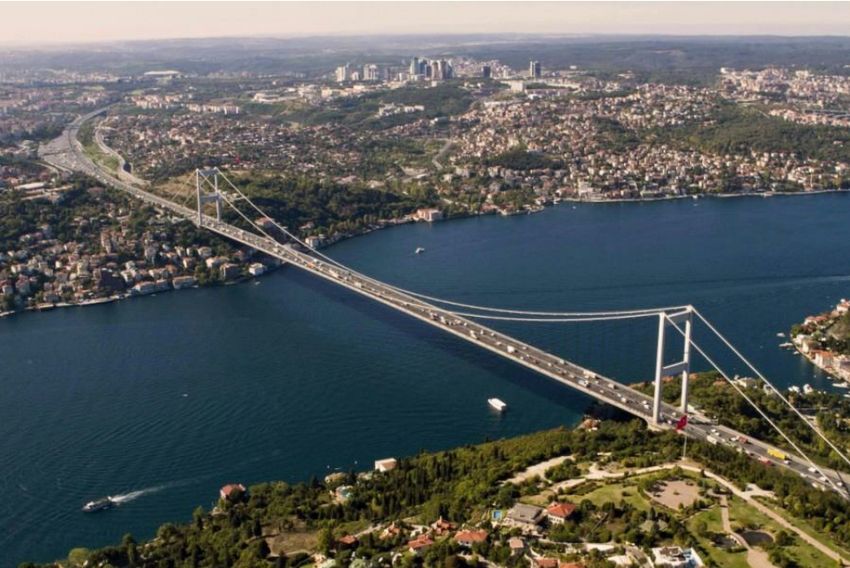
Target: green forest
x,y
454,485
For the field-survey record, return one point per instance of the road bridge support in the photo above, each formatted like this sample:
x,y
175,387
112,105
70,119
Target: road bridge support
x,y
202,177
680,319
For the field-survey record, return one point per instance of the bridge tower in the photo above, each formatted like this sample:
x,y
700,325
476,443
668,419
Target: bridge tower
x,y
202,178
684,366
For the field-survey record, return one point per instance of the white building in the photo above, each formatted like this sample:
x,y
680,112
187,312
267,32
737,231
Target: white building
x,y
675,557
385,465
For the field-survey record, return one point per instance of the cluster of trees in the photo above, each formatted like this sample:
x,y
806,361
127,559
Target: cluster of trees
x,y
520,158
19,217
741,130
454,484
333,207
447,99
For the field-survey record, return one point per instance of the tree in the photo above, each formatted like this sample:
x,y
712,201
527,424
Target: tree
x,y
326,541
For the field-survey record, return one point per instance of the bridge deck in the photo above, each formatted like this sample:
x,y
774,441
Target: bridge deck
x,y
66,152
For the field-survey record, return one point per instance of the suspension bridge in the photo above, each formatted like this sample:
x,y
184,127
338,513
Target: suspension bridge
x,y
214,193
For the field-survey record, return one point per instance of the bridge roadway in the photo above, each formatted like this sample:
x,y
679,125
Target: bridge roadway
x,y
66,152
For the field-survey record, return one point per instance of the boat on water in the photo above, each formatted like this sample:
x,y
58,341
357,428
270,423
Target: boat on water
x,y
807,389
780,334
99,505
497,404
787,344
419,250
841,385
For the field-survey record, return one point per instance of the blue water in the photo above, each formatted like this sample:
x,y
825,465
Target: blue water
x,y
165,399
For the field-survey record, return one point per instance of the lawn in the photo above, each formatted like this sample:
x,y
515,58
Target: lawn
x,y
616,492
804,553
806,528
714,523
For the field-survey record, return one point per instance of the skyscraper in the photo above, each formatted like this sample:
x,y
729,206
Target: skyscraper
x,y
370,72
414,66
343,73
534,69
486,72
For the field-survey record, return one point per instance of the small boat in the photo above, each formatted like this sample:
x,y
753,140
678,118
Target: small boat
x,y
787,344
842,385
99,505
780,334
497,404
420,250
807,389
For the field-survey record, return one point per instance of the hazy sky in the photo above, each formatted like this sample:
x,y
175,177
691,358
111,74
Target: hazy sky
x,y
58,22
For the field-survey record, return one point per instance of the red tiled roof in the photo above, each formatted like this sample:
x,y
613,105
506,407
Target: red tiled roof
x,y
471,536
562,510
232,489
422,541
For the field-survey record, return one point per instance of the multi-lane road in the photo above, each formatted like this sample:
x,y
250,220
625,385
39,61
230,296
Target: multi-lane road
x,y
65,152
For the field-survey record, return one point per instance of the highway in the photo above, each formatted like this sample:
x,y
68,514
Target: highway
x,y
66,153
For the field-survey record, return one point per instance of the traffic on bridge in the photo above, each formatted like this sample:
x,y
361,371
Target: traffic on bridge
x,y
66,152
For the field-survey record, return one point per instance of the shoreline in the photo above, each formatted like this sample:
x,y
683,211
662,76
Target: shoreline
x,y
697,197
396,223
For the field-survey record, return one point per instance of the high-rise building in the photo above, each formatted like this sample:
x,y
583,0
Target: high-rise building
x,y
486,71
371,72
343,73
414,66
448,70
534,69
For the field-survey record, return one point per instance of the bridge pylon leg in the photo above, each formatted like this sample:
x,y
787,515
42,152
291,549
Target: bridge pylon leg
x,y
217,201
659,369
198,195
686,359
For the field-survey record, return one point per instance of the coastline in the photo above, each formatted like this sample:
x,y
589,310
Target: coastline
x,y
386,224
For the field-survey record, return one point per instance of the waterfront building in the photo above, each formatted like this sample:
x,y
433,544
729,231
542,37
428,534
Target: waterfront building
x,y
385,465
534,69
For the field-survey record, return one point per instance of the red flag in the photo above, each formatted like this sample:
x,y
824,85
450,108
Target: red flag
x,y
683,421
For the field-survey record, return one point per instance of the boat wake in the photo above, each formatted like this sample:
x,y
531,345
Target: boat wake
x,y
133,495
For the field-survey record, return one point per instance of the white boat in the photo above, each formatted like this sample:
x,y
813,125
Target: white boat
x,y
842,385
780,334
497,404
420,250
807,389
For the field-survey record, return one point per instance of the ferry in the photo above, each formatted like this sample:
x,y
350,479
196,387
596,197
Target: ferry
x,y
497,404
100,505
420,250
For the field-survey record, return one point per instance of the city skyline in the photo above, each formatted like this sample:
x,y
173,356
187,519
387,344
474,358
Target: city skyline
x,y
52,23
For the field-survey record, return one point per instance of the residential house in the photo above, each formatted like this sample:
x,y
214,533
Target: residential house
x,y
386,465
557,513
524,516
469,537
